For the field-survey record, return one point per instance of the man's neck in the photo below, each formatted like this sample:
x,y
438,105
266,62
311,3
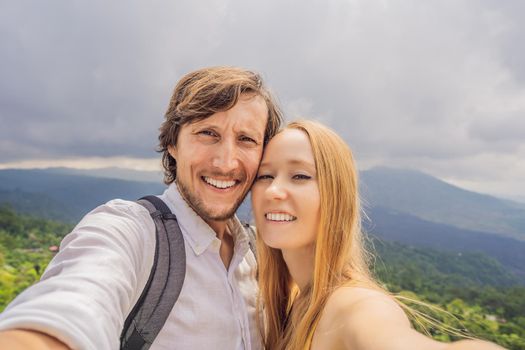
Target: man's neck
x,y
227,241
220,227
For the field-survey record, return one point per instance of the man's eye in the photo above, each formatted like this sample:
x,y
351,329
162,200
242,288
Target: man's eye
x,y
207,133
247,139
302,177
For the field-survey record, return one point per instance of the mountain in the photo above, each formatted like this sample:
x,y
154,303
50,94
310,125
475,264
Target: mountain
x,y
65,197
413,231
430,199
419,210
520,199
112,173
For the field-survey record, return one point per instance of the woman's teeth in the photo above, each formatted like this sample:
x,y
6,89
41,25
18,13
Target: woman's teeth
x,y
280,217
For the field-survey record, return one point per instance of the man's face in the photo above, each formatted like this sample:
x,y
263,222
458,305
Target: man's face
x,y
217,158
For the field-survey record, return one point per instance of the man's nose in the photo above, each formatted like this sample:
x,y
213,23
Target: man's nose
x,y
226,157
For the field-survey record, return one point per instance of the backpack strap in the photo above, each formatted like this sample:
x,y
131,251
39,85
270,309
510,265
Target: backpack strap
x,y
164,284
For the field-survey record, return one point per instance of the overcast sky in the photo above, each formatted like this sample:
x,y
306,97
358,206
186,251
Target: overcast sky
x,y
437,86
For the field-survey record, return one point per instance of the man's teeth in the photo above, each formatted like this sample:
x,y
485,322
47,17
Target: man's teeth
x,y
280,217
219,183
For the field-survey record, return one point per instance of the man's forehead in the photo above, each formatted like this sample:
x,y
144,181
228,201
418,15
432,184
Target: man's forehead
x,y
247,121
229,123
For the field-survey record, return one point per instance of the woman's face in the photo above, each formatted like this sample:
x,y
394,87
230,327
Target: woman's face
x,y
285,195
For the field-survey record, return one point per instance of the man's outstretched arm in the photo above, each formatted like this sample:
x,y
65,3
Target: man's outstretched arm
x,y
89,286
19,339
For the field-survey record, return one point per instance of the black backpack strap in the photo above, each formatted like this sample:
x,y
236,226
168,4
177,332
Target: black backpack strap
x,y
252,238
165,281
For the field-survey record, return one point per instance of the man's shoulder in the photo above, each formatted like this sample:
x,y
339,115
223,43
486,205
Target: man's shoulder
x,y
121,207
118,217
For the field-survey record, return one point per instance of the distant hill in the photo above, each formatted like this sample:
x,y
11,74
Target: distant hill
x,y
398,263
430,199
413,231
65,197
38,205
112,173
520,199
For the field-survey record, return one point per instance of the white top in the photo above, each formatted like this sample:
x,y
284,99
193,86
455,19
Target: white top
x,y
102,267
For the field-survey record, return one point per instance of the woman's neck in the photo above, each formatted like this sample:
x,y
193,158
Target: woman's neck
x,y
300,263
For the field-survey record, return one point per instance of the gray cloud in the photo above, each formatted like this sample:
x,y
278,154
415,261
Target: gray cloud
x,y
508,130
407,83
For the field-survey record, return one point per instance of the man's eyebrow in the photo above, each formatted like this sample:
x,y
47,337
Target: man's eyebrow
x,y
203,124
200,127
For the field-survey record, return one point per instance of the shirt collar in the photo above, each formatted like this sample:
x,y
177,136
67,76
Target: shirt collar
x,y
198,234
240,236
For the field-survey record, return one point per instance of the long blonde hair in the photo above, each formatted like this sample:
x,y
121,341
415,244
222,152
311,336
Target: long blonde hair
x,y
290,317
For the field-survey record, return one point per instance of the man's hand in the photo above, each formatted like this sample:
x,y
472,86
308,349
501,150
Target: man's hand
x,y
19,339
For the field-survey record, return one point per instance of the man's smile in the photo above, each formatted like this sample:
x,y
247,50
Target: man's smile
x,y
220,184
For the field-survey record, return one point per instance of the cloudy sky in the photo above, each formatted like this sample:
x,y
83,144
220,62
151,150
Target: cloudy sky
x,y
434,85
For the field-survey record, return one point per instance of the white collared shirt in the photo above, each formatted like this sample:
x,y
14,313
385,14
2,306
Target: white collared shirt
x,y
90,286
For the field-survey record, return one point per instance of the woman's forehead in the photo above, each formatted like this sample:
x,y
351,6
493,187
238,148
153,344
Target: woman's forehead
x,y
291,146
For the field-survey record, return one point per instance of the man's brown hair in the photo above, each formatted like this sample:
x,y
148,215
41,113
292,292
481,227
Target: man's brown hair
x,y
200,94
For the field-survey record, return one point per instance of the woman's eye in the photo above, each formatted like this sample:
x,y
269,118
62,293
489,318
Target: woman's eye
x,y
302,177
263,177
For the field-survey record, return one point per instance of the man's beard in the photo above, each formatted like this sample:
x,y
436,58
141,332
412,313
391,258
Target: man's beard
x,y
200,208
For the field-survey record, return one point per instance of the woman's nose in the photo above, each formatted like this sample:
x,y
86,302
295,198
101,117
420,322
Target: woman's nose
x,y
276,190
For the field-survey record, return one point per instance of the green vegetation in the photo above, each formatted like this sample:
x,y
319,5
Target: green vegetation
x,y
474,292
24,250
477,293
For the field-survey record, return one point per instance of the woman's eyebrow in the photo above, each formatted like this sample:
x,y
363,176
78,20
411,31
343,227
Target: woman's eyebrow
x,y
293,161
300,162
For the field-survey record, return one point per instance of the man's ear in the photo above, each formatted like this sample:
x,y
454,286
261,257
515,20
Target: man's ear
x,y
172,150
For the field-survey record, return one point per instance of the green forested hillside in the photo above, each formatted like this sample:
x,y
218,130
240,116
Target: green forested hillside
x,y
24,250
487,300
473,287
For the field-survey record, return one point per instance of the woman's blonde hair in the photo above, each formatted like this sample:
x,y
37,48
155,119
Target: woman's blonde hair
x,y
290,316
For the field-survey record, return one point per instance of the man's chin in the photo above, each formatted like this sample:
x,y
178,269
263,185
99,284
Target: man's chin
x,y
209,214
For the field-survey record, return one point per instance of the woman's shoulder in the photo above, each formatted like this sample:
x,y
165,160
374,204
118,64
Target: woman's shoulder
x,y
348,298
360,311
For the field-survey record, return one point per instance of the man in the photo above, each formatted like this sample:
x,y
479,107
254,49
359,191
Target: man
x,y
212,140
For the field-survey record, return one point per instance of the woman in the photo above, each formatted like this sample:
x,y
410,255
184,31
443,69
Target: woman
x,y
315,288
